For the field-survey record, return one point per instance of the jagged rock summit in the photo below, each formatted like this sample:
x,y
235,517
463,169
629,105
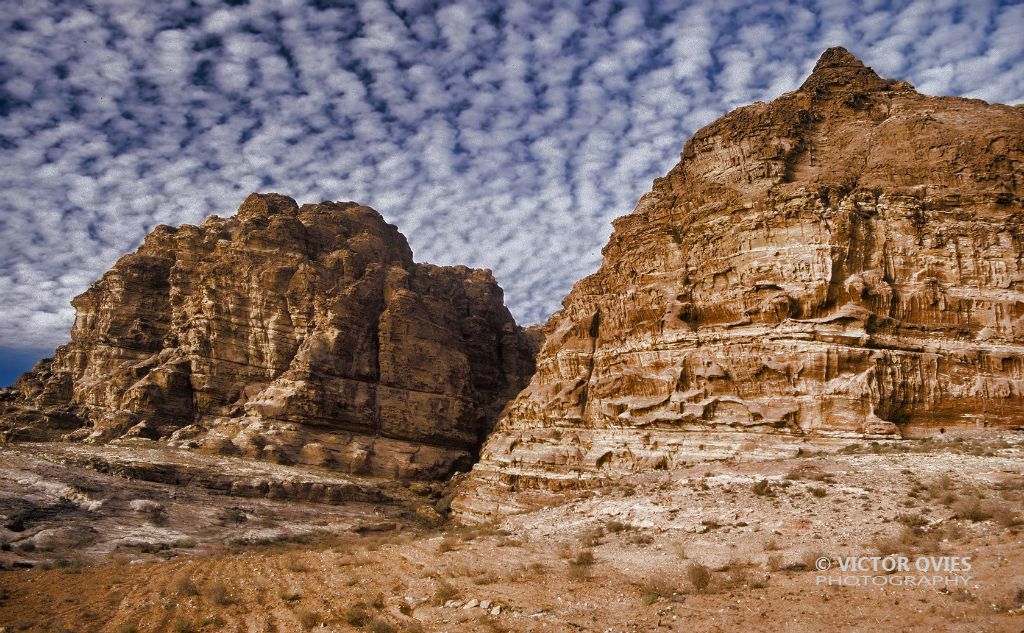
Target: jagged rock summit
x,y
846,261
294,334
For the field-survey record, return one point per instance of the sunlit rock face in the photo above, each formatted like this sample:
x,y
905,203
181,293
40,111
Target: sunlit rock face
x,y
845,261
299,335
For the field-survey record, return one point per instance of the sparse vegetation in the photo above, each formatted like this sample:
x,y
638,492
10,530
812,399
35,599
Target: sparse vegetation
x,y
762,488
357,615
378,625
971,510
307,618
217,593
699,576
655,589
818,491
444,592
183,625
183,586
297,565
579,566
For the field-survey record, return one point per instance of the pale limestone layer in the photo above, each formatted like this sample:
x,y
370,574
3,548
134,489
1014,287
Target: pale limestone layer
x,y
299,335
846,261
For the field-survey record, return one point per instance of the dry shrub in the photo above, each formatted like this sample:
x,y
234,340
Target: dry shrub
x,y
217,593
579,567
655,589
447,544
357,615
378,625
699,576
297,565
183,586
763,488
444,592
971,510
307,618
614,527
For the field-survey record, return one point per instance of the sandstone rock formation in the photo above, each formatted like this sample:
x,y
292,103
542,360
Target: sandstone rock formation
x,y
847,260
299,335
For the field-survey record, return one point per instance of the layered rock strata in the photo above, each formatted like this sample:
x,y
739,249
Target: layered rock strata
x,y
845,261
294,334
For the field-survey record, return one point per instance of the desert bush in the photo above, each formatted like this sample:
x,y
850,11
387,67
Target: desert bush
x,y
655,589
641,538
217,593
762,488
289,596
232,515
183,625
297,565
699,576
775,562
614,526
183,586
770,545
592,538
307,618
443,593
579,566
912,520
357,615
1005,517
971,510
818,492
378,625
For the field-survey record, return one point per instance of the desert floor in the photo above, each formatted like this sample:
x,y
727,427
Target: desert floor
x,y
726,546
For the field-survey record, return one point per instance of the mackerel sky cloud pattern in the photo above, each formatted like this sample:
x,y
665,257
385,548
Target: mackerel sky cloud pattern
x,y
503,135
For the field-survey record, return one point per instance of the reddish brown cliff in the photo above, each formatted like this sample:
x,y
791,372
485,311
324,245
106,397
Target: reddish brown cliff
x,y
847,260
294,334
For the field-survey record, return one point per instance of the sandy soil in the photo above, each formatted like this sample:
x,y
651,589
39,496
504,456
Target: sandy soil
x,y
630,556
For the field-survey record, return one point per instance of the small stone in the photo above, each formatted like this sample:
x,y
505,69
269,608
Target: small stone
x,y
485,604
496,610
472,603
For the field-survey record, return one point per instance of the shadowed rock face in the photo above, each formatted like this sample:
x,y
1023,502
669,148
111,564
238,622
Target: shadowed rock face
x,y
293,334
847,260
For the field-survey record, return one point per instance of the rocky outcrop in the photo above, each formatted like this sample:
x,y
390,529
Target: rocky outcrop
x,y
845,261
299,335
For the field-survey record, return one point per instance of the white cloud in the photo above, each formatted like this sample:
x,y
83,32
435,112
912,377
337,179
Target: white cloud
x,y
496,134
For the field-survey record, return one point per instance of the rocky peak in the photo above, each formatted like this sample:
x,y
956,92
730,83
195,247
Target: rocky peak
x,y
264,205
293,334
846,261
839,70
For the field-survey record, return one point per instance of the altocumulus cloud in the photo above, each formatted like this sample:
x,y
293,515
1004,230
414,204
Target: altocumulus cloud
x,y
497,134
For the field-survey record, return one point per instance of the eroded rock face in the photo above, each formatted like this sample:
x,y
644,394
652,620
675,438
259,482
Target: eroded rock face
x,y
299,335
844,261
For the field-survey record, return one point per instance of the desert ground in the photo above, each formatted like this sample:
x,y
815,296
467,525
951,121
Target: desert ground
x,y
723,546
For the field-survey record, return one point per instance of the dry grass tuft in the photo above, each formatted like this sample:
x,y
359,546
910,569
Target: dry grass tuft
x,y
699,576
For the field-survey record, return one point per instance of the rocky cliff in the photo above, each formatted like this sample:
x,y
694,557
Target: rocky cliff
x,y
847,260
299,335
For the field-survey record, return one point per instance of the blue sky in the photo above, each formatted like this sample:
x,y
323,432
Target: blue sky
x,y
503,135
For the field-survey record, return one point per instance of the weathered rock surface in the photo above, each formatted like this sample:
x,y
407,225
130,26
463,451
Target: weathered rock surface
x,y
845,261
298,335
